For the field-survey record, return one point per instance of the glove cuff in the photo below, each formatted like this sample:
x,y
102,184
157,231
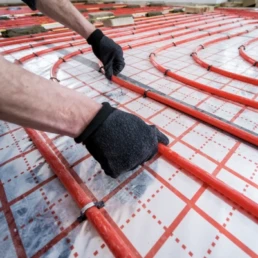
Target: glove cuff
x,y
97,121
95,37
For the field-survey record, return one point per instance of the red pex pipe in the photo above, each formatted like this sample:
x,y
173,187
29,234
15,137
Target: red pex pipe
x,y
200,22
39,53
185,33
200,86
53,71
173,22
135,27
240,11
229,128
144,20
13,50
69,33
242,134
61,29
29,20
243,54
233,195
46,42
218,70
60,39
115,243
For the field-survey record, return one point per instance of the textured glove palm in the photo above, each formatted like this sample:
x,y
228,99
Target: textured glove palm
x,y
121,141
108,52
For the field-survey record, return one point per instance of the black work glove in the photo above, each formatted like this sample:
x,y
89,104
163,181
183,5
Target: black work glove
x,y
120,141
108,52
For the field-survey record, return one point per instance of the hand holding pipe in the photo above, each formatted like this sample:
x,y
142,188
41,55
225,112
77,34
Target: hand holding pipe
x,y
233,195
246,203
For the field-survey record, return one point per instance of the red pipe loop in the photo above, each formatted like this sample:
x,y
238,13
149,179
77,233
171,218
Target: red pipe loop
x,y
223,72
245,56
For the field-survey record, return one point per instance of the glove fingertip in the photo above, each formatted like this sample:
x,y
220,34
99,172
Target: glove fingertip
x,y
162,138
108,72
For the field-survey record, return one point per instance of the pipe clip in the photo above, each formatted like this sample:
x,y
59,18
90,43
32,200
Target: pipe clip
x,y
129,46
242,46
54,78
201,46
145,93
61,58
82,216
255,63
174,44
165,73
194,53
152,54
209,67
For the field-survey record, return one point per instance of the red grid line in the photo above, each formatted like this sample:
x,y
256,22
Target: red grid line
x,y
10,131
17,242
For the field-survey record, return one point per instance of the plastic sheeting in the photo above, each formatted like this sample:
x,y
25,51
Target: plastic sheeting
x,y
161,210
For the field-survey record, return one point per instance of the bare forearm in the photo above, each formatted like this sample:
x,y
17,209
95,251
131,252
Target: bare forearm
x,y
31,101
64,12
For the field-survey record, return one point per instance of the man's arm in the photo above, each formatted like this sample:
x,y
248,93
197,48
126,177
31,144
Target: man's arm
x,y
32,101
117,140
106,50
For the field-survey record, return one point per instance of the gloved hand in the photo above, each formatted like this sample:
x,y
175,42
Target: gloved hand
x,y
108,52
120,141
